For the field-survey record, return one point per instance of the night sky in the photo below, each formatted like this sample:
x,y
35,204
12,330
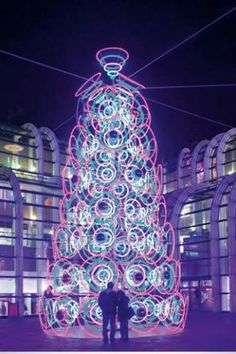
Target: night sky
x,y
67,34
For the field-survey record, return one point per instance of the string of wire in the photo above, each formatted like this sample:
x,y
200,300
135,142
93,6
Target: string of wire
x,y
188,86
141,69
188,112
183,41
51,67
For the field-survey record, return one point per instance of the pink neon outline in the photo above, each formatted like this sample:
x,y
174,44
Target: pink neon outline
x,y
89,261
101,51
92,81
139,130
152,326
132,82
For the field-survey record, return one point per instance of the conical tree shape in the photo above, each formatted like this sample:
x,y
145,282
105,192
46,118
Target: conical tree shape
x,y
113,217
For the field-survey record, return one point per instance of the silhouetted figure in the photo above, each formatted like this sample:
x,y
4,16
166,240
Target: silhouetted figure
x,y
26,311
48,303
3,310
198,298
123,314
48,294
107,302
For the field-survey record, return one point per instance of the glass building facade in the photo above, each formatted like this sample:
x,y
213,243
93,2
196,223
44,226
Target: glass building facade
x,y
31,162
202,207
200,189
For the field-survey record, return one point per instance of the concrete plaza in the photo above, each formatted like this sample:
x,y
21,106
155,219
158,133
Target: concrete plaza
x,y
203,332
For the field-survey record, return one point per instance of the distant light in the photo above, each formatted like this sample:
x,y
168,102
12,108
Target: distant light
x,y
32,169
13,148
186,210
48,202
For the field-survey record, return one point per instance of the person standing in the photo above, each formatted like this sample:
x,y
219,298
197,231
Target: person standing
x,y
48,305
123,314
107,303
48,294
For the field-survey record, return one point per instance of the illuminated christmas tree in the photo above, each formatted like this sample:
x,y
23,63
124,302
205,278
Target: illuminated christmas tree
x,y
113,217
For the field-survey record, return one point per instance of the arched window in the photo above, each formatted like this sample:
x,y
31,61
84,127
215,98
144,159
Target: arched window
x,y
210,158
184,168
11,251
220,244
18,151
198,168
191,221
169,177
229,156
223,251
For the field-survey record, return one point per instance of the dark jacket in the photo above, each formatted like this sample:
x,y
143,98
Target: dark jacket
x,y
123,305
107,302
48,295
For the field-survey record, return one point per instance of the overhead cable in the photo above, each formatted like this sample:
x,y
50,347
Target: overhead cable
x,y
42,64
189,113
188,86
183,41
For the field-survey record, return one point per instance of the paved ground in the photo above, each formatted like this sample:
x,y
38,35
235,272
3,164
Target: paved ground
x,y
203,332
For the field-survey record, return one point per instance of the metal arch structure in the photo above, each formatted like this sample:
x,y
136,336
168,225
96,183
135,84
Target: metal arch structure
x,y
113,216
18,199
221,149
39,145
217,142
213,144
228,181
179,202
185,152
55,148
177,199
231,215
196,151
